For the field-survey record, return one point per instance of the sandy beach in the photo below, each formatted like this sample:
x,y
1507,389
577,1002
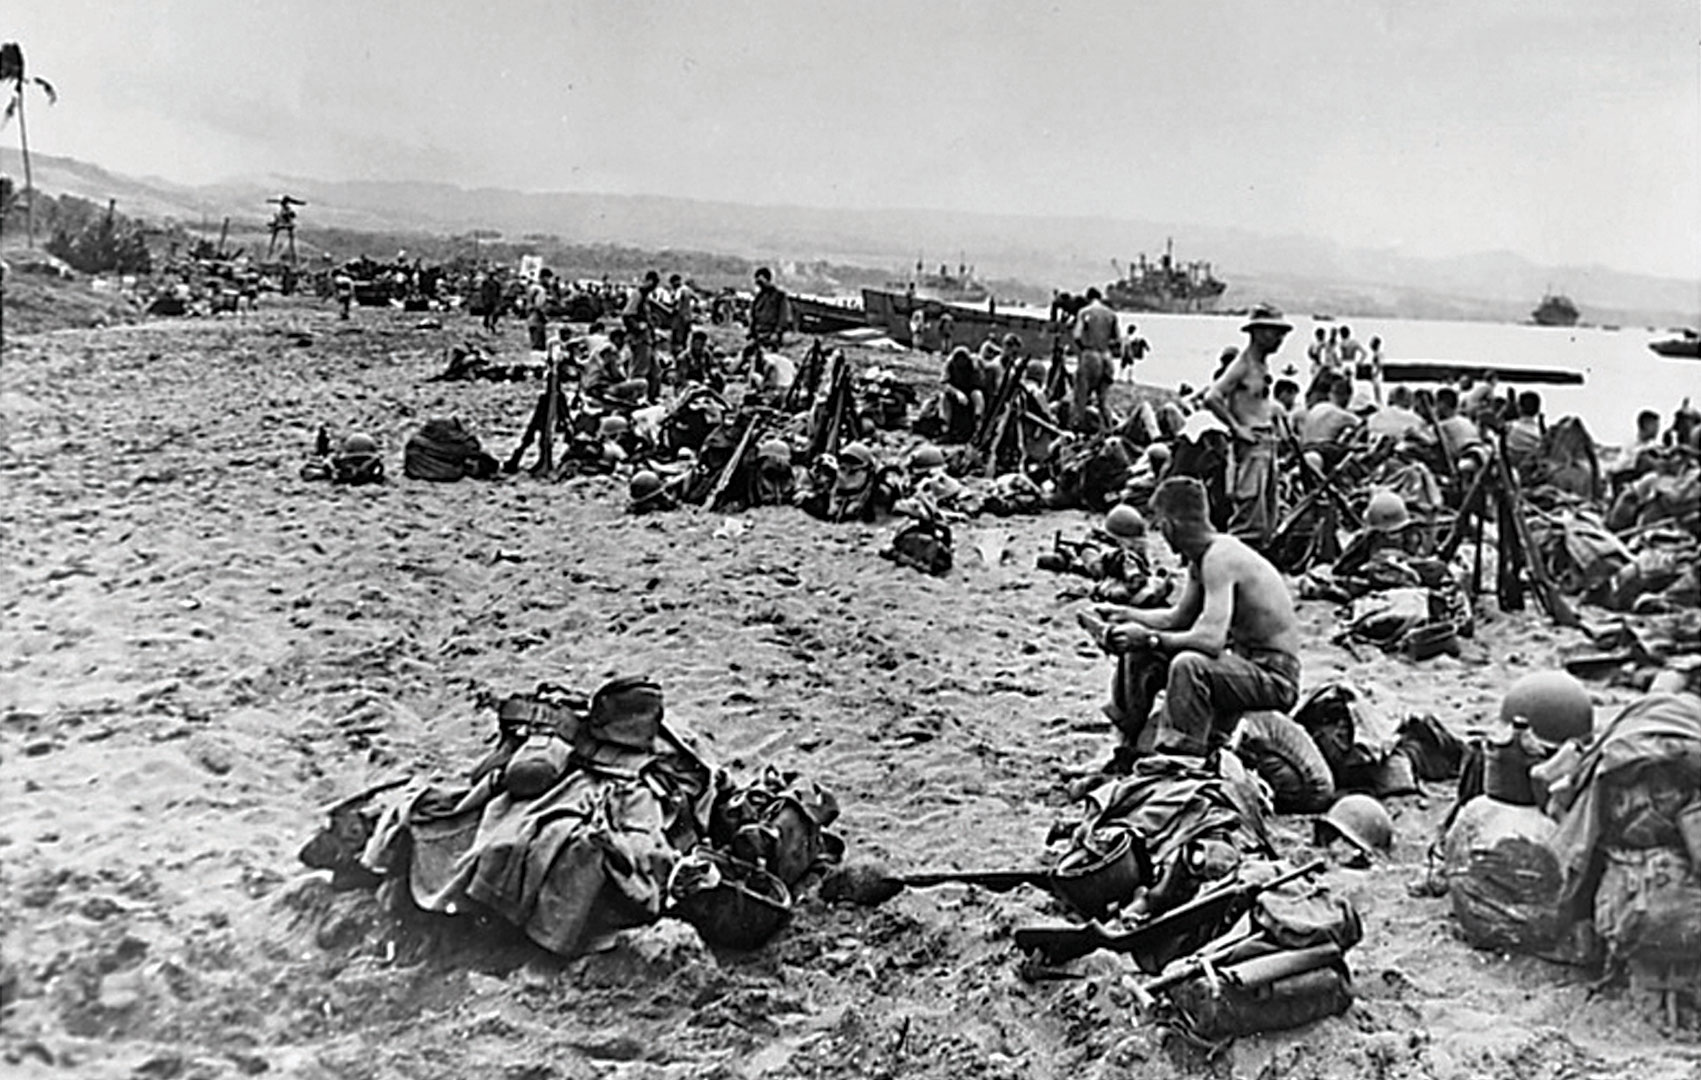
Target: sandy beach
x,y
202,650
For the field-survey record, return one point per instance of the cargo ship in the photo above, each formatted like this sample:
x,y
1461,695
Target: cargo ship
x,y
1555,310
1165,285
959,288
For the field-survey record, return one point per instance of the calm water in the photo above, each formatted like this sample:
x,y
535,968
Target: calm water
x,y
1621,376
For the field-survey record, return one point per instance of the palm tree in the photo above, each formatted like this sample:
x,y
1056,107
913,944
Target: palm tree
x,y
12,74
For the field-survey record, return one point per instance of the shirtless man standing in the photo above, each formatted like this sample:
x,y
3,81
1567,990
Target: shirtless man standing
x,y
1097,333
1229,646
1241,399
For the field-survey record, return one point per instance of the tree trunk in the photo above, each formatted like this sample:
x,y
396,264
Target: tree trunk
x,y
29,185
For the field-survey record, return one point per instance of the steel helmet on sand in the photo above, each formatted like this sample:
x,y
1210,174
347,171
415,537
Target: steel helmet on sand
x,y
645,484
1361,821
360,444
1554,704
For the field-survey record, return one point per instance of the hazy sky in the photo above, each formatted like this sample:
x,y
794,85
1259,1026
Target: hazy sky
x,y
1566,130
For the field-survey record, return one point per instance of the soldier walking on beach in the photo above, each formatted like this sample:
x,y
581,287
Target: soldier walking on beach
x,y
640,334
770,311
490,298
1241,399
1229,646
537,311
1097,334
683,314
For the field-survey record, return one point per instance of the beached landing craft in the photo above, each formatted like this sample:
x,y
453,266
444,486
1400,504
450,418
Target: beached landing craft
x,y
1440,371
1687,345
824,315
889,312
1165,285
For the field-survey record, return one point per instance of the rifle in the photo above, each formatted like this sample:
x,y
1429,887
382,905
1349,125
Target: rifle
x,y
838,410
1320,480
1216,907
995,880
731,468
1057,375
546,438
1559,608
1012,377
808,378
1428,414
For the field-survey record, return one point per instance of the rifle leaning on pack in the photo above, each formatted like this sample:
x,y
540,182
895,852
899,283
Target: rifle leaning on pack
x,y
730,469
1558,606
837,412
1318,480
1427,411
1217,907
551,417
1006,386
808,381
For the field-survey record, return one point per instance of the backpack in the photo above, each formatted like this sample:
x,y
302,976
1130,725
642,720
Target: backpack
x,y
924,545
1569,461
442,450
777,826
1285,757
1353,734
1091,475
1283,989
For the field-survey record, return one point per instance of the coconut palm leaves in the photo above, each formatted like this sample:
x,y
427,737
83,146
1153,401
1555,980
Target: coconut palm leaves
x,y
14,76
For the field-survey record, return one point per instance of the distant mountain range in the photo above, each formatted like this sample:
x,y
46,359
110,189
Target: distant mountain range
x,y
1301,273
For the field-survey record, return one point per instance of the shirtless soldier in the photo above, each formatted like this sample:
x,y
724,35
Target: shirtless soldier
x,y
1230,645
1241,399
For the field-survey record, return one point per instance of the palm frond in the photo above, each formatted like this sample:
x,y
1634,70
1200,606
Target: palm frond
x,y
46,88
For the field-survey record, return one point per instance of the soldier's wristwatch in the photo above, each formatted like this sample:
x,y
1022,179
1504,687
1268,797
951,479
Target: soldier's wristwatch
x,y
1154,642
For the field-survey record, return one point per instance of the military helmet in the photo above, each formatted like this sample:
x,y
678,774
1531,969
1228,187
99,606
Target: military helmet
x,y
927,456
858,454
1361,821
1386,512
1125,522
1554,704
644,484
360,444
774,450
613,426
